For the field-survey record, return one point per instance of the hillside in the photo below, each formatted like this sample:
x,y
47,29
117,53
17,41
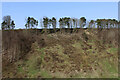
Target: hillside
x,y
87,53
0,54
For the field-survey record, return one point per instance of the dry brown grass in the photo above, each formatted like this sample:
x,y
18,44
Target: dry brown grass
x,y
68,54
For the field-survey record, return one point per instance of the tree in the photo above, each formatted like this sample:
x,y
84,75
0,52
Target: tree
x,y
68,22
74,28
76,25
7,19
82,22
45,23
115,23
50,23
27,25
103,23
4,25
110,23
106,23
76,22
7,23
118,24
54,23
41,23
98,21
31,22
60,23
12,25
73,22
64,22
91,24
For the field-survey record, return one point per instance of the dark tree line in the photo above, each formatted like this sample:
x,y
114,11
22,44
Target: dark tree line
x,y
64,22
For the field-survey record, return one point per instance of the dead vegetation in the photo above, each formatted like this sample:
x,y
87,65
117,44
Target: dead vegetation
x,y
83,54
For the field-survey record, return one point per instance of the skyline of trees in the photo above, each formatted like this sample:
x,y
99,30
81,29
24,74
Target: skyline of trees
x,y
64,22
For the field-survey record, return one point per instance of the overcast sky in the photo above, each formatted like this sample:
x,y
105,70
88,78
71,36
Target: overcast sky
x,y
19,11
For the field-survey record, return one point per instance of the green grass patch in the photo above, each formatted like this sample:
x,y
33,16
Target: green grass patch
x,y
110,70
20,69
112,50
45,74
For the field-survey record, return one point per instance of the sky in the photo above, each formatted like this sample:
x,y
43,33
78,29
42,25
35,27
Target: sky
x,y
119,10
60,0
19,11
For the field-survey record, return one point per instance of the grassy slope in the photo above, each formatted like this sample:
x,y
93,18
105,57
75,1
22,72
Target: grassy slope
x,y
77,59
